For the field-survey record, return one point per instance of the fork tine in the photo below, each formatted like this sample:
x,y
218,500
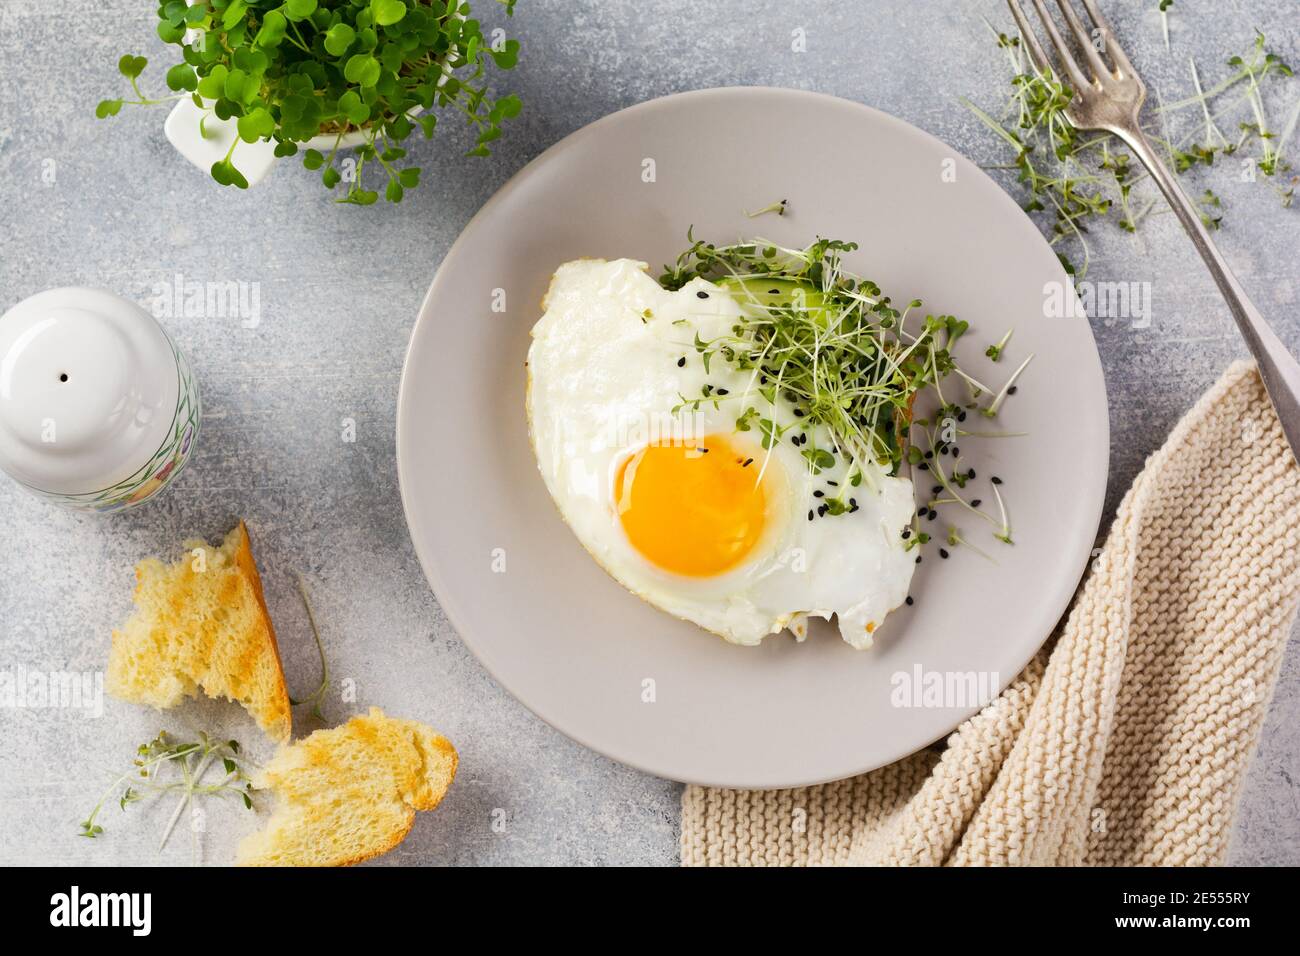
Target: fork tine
x,y
1099,67
1108,37
1066,56
1031,39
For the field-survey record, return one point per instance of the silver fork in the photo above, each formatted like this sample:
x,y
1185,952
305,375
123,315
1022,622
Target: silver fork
x,y
1109,97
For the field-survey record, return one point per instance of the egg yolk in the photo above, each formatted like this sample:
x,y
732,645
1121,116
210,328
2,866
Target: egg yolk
x,y
694,509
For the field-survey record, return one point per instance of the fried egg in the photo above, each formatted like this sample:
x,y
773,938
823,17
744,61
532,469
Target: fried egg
x,y
679,504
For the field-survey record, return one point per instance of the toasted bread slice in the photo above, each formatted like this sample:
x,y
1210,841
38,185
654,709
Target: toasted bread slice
x,y
201,625
349,793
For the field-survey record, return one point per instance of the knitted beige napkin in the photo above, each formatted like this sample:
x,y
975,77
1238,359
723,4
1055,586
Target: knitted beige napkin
x,y
1126,741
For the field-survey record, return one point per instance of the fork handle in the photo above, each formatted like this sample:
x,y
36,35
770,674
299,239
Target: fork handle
x,y
1277,367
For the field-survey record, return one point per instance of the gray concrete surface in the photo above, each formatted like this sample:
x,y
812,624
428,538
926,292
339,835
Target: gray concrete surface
x,y
110,204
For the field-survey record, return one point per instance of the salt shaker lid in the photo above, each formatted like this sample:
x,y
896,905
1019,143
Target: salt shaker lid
x,y
88,390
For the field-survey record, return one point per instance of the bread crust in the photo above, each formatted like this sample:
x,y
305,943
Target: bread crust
x,y
248,569
173,647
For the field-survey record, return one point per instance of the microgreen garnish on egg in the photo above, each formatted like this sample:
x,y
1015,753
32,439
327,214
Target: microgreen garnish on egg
x,y
832,347
829,342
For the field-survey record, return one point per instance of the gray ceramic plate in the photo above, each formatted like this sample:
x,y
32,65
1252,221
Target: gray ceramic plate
x,y
567,640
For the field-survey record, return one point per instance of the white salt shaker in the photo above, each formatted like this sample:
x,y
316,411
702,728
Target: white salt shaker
x,y
98,408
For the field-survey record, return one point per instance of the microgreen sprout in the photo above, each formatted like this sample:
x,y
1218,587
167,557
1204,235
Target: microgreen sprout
x,y
288,70
1258,67
192,760
1164,19
319,694
777,207
1209,203
955,538
994,352
992,410
949,483
1004,535
1050,153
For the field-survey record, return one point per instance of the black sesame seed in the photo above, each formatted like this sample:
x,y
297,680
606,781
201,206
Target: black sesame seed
x,y
971,473
923,466
821,512
722,391
818,494
936,489
853,502
773,291
955,451
681,362
932,514
995,479
918,559
810,514
835,483
975,502
798,413
921,511
701,295
907,533
929,455
961,416
910,602
748,462
1012,389
943,552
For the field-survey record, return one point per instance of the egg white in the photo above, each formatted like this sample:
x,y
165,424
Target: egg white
x,y
603,381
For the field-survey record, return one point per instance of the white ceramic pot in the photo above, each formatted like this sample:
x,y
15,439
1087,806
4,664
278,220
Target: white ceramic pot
x,y
98,408
325,141
209,142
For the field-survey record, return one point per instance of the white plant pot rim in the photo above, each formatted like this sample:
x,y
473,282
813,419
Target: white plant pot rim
x,y
353,138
